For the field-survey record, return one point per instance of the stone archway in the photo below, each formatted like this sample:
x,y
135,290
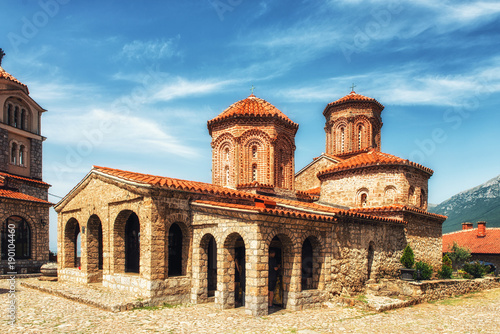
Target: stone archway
x,y
233,257
94,247
285,253
312,260
70,244
125,255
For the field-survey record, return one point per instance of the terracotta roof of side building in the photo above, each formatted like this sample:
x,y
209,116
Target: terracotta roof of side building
x,y
487,244
210,189
5,193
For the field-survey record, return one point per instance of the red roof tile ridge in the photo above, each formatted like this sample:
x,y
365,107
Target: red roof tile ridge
x,y
6,193
372,158
252,106
5,75
398,207
23,178
353,97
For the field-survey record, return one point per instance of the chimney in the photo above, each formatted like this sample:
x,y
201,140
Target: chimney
x,y
467,226
481,229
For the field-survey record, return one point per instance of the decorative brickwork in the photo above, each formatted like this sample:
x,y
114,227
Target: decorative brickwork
x,y
23,194
252,141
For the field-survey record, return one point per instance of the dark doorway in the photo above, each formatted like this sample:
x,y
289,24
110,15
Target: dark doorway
x,y
307,265
174,251
370,260
99,247
212,267
240,272
22,238
132,244
277,246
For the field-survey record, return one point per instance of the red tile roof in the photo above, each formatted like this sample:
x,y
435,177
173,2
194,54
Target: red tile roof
x,y
314,191
252,106
352,97
4,193
372,158
489,244
171,183
12,176
10,77
395,208
210,189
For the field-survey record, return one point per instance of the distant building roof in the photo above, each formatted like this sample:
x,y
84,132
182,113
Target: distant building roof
x,y
489,243
10,77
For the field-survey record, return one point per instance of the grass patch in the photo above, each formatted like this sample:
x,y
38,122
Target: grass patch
x,y
158,307
362,298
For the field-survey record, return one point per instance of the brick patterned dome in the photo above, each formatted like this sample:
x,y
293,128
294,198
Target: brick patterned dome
x,y
352,97
251,107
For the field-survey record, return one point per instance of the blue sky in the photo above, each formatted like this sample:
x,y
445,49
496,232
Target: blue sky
x,y
131,84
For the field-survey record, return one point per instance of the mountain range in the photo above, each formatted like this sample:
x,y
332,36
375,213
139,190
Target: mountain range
x,y
481,203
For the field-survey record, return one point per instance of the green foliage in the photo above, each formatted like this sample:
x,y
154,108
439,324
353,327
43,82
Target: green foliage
x,y
458,255
474,269
425,270
407,259
445,272
446,260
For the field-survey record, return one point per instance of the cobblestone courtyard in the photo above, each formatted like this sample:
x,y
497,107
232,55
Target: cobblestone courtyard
x,y
39,312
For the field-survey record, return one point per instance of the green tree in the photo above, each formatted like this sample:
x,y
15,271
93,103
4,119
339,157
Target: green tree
x,y
458,255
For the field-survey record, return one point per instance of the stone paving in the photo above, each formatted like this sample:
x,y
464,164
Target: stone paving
x,y
39,312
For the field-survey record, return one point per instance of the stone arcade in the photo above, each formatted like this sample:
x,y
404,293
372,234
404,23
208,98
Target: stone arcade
x,y
23,194
339,222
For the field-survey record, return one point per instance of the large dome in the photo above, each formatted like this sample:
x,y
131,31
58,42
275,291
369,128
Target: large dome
x,y
252,107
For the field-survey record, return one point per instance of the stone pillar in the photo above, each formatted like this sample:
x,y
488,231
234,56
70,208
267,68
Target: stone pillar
x,y
224,296
256,278
199,292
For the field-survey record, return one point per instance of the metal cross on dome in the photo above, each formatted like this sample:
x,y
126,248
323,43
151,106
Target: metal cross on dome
x,y
352,87
252,89
1,56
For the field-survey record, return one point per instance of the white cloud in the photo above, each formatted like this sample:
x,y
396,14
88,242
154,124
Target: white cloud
x,y
151,50
181,87
112,131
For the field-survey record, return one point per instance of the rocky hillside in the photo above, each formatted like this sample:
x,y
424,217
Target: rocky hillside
x,y
479,203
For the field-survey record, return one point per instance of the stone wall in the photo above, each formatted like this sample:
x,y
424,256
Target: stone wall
x,y
36,159
493,258
34,214
307,179
383,185
29,188
4,149
434,289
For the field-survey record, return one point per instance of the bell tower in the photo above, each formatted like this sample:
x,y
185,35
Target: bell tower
x,y
353,124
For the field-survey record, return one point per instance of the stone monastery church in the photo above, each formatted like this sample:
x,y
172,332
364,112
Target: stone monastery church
x,y
341,221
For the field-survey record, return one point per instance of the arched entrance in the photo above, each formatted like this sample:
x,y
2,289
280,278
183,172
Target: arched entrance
x,y
234,284
211,267
22,238
311,263
275,277
94,244
132,244
72,244
175,250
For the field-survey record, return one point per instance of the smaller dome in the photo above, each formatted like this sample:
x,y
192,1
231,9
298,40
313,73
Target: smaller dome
x,y
353,97
10,77
252,107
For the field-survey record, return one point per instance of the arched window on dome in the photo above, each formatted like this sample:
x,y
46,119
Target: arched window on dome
x,y
362,197
423,199
226,153
16,117
254,152
360,136
13,154
23,119
342,139
22,155
254,172
226,175
8,117
411,195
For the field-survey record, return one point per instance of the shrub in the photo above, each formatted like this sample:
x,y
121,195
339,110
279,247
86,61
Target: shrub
x,y
445,272
425,270
458,255
474,269
446,260
407,259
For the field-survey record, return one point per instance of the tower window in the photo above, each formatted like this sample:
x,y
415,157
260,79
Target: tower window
x,y
22,155
342,139
254,172
363,199
227,175
360,132
9,115
23,119
226,153
254,152
13,154
16,117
